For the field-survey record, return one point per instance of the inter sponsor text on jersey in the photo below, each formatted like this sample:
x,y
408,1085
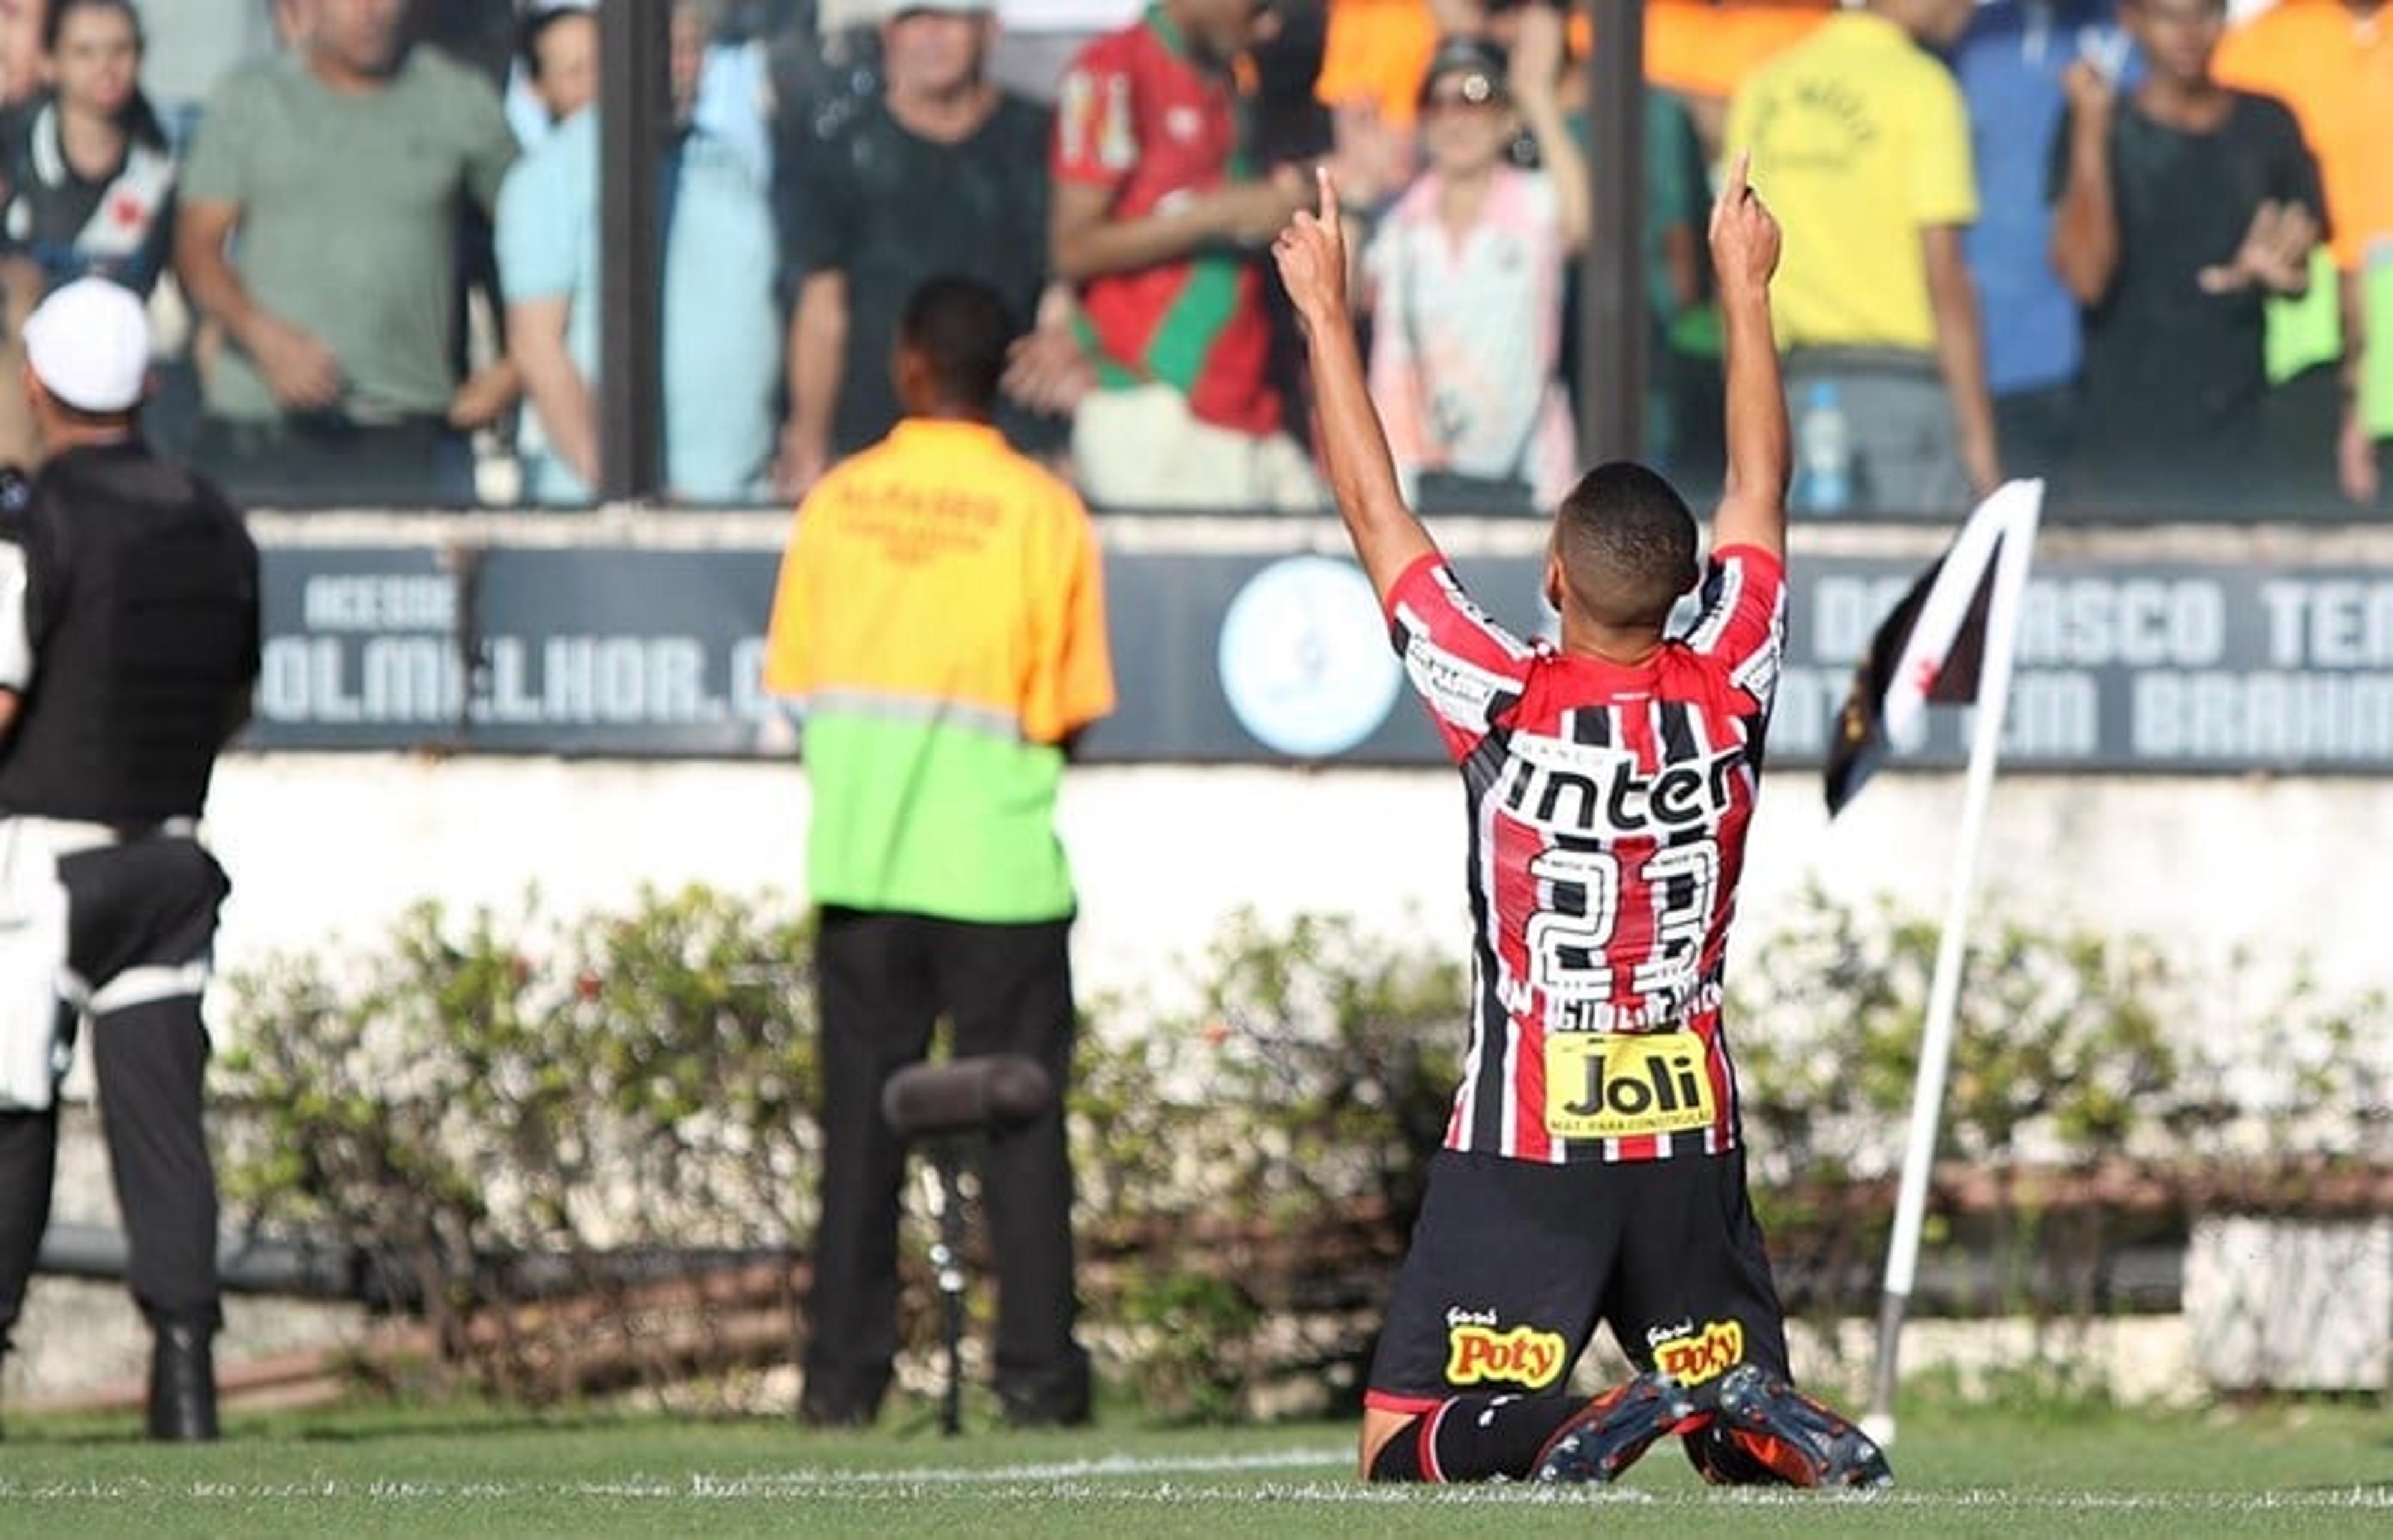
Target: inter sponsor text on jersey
x,y
1608,808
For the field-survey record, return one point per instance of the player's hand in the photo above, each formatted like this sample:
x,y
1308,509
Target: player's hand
x,y
299,370
2275,254
1744,236
1311,255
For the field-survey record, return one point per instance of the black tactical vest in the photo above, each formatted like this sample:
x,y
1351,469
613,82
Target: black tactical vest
x,y
141,609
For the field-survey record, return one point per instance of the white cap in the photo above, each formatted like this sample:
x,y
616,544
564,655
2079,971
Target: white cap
x,y
90,345
890,10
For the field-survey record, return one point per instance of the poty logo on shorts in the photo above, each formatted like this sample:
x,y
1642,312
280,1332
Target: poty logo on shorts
x,y
1523,1356
1692,1359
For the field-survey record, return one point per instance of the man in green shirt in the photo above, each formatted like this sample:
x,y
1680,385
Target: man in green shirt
x,y
319,236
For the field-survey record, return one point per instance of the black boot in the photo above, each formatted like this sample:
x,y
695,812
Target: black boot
x,y
182,1386
1054,1396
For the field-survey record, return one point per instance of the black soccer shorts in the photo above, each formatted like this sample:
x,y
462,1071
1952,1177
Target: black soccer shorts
x,y
1512,1263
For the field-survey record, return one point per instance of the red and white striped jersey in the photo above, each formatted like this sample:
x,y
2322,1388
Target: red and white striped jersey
x,y
1608,809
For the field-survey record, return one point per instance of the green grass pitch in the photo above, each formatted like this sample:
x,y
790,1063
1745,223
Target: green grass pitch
x,y
2305,1470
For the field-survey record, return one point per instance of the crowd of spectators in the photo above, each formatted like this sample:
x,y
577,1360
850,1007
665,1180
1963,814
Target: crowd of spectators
x,y
2138,247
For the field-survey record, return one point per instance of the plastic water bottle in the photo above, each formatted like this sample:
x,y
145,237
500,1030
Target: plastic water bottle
x,y
1825,447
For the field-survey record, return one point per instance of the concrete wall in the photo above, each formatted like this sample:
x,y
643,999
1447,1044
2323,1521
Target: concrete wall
x,y
2278,1303
325,849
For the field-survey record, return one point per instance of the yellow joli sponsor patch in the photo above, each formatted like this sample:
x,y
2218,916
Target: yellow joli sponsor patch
x,y
1604,1085
1719,1348
1523,1356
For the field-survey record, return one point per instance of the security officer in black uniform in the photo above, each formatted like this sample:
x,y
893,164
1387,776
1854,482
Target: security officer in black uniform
x,y
128,646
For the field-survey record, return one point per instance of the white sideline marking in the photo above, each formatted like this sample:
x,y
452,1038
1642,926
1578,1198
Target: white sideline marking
x,y
1095,1479
1275,1494
1058,1471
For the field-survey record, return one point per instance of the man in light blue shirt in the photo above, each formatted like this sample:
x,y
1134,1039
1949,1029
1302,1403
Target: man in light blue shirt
x,y
721,320
2010,63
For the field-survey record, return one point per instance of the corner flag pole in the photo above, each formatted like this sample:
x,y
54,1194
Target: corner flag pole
x,y
2016,524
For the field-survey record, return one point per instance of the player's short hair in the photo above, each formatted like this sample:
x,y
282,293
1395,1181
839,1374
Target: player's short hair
x,y
961,329
1627,544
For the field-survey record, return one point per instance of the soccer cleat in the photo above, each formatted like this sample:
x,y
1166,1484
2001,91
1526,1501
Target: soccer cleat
x,y
1765,1428
1606,1436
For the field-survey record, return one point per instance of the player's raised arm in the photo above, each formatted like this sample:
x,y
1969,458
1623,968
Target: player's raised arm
x,y
1311,254
1744,254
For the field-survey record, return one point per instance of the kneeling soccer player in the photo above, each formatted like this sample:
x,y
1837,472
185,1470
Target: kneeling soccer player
x,y
1591,1169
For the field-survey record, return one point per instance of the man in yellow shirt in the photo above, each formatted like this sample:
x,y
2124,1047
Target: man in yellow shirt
x,y
1860,139
940,616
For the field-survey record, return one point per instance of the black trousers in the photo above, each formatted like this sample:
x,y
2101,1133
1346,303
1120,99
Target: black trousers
x,y
883,982
140,920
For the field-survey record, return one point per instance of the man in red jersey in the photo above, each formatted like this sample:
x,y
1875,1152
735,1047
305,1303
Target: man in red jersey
x,y
1159,222
1592,1167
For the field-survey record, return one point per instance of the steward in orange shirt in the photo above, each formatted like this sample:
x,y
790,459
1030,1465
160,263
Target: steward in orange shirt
x,y
940,616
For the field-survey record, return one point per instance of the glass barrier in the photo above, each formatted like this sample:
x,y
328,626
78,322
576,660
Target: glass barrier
x,y
405,315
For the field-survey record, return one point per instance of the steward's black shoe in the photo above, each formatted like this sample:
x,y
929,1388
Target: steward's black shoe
x,y
182,1386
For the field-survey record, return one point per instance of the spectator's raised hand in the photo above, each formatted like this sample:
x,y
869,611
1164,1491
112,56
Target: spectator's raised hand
x,y
1744,236
2275,254
1311,255
298,368
2092,94
1535,73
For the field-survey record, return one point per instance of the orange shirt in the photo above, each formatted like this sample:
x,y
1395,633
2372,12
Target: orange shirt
x,y
1377,50
942,567
941,614
1705,50
2337,76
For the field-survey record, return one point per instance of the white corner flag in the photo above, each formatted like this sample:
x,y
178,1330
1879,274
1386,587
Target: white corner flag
x,y
1951,639
1931,648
